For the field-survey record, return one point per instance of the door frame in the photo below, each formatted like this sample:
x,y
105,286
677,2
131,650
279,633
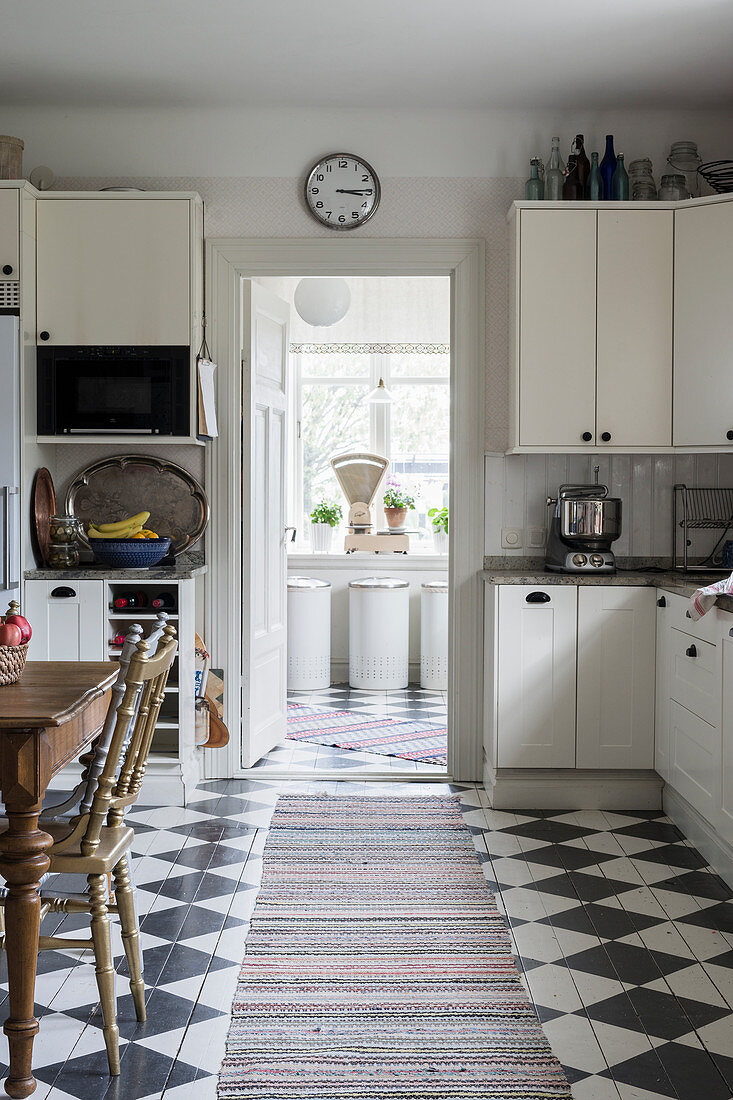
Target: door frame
x,y
228,260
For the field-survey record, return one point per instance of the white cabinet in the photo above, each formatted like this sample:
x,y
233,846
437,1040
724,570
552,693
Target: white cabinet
x,y
725,813
9,234
634,328
592,322
661,709
703,326
536,655
615,718
557,327
67,619
115,270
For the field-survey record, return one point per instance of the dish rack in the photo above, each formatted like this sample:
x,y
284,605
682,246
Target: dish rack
x,y
697,509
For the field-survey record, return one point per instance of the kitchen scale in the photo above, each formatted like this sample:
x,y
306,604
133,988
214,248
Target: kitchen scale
x,y
360,476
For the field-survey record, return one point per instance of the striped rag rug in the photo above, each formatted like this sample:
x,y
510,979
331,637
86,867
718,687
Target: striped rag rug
x,y
378,967
424,741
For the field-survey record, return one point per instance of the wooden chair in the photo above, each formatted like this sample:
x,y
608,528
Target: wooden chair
x,y
96,842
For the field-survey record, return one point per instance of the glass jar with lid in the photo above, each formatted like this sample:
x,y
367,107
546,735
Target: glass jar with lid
x,y
63,528
63,555
673,187
641,180
684,158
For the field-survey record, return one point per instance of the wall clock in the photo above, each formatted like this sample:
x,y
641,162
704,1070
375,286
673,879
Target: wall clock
x,y
342,191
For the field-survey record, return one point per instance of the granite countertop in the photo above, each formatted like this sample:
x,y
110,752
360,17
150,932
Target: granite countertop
x,y
184,568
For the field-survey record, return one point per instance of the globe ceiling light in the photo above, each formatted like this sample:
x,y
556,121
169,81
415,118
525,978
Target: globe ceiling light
x,y
322,302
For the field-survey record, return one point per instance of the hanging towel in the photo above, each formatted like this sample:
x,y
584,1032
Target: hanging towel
x,y
704,598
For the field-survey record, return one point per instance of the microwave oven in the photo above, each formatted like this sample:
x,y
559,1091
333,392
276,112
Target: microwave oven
x,y
100,390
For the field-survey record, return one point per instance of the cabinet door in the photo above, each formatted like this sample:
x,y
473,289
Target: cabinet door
x,y
536,676
557,327
724,821
703,326
634,321
114,271
616,629
68,620
661,712
9,234
694,747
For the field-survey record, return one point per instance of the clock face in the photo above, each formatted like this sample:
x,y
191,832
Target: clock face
x,y
342,191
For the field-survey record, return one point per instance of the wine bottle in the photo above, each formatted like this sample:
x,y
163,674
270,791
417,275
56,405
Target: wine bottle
x,y
164,601
555,174
534,187
583,163
608,167
620,181
572,189
595,179
128,601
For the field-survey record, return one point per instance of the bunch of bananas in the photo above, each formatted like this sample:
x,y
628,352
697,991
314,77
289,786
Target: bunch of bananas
x,y
131,528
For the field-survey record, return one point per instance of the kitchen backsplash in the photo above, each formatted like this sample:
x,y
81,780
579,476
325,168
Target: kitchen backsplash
x,y
70,458
516,488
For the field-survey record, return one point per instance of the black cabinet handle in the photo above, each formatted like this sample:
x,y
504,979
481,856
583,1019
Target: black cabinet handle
x,y
7,269
661,602
537,597
63,593
45,335
688,615
606,437
729,435
691,651
587,436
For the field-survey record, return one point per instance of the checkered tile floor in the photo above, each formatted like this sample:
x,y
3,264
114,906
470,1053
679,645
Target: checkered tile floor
x,y
410,704
624,936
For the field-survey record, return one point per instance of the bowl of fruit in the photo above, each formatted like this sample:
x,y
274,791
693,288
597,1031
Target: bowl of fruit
x,y
128,543
15,634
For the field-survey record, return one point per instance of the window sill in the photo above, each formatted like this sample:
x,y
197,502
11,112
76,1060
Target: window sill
x,y
359,560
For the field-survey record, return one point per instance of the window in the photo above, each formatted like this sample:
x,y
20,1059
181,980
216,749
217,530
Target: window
x,y
331,416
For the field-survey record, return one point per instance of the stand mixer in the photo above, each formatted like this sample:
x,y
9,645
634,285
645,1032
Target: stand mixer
x,y
360,475
583,525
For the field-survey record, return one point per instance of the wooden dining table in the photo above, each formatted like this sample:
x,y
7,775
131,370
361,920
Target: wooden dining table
x,y
47,719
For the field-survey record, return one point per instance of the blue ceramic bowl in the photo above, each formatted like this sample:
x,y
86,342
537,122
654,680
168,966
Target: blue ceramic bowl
x,y
130,553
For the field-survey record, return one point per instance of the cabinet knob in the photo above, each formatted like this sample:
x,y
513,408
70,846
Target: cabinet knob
x,y
691,651
606,437
537,597
63,593
729,435
661,602
587,436
45,335
7,269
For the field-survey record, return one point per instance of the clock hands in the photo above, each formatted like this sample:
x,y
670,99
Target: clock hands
x,y
349,191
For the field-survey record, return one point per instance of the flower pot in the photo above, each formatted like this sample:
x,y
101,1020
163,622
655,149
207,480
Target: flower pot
x,y
321,535
395,516
440,541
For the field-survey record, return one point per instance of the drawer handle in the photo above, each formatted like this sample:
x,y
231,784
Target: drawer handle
x,y
537,597
63,593
691,651
688,615
661,602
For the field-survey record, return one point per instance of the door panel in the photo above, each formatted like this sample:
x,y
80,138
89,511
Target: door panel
x,y
9,234
264,563
724,821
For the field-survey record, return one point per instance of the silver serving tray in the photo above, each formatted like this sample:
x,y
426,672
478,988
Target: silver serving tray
x,y
113,488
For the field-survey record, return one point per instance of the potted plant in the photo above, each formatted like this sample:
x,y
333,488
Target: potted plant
x,y
396,504
439,517
324,518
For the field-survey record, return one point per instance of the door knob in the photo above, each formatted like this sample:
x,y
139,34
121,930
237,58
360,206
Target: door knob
x,y
729,435
45,335
691,651
587,436
7,269
606,437
661,602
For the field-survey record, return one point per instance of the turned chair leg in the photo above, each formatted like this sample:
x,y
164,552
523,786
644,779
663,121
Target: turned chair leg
x,y
105,973
130,934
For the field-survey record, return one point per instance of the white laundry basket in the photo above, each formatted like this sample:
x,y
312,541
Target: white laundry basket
x,y
434,636
379,633
309,634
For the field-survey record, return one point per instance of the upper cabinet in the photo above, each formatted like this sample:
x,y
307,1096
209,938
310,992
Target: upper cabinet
x,y
703,331
117,269
592,332
9,235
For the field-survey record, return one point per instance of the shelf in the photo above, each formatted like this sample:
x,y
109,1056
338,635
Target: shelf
x,y
155,440
172,688
143,616
167,724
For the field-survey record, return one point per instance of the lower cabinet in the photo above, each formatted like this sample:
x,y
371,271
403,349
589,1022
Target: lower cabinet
x,y
725,812
68,620
575,677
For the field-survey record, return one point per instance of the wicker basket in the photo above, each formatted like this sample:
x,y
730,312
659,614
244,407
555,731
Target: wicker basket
x,y
12,662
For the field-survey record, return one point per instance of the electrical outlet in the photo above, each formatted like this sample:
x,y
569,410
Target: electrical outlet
x,y
511,538
536,536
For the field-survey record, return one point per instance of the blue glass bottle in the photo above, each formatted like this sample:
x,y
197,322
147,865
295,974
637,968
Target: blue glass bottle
x,y
608,167
595,179
620,181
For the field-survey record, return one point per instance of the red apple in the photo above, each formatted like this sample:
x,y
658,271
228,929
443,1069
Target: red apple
x,y
23,625
10,634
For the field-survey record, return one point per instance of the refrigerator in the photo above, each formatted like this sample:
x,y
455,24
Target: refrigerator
x,y
9,461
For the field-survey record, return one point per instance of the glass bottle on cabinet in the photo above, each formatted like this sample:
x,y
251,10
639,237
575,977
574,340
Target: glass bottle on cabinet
x,y
572,188
582,162
555,174
534,187
620,181
595,179
608,166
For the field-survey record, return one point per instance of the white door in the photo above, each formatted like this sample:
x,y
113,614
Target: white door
x,y
264,493
634,321
536,676
663,658
616,634
703,329
9,235
557,328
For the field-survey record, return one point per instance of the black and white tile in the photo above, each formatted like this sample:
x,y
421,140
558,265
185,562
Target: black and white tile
x,y
623,935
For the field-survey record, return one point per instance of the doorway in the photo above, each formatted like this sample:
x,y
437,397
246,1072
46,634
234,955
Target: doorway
x,y
462,261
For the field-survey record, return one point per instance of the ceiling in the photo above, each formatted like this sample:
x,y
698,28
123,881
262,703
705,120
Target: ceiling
x,y
465,54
